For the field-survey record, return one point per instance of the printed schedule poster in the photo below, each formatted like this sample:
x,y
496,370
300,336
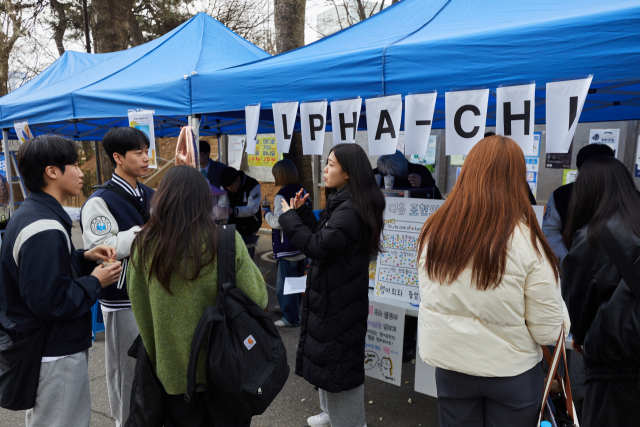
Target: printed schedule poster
x,y
397,269
143,121
383,348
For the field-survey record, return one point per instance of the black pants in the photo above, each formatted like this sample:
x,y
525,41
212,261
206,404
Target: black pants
x,y
199,412
611,403
469,401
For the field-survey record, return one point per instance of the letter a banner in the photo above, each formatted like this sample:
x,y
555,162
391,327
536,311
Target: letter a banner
x,y
384,115
252,118
516,114
466,118
313,117
345,116
418,117
284,119
564,104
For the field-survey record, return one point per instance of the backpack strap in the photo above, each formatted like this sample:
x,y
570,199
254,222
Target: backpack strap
x,y
226,255
622,263
126,196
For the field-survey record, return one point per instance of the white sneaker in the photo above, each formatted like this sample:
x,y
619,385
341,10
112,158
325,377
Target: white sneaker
x,y
279,323
320,420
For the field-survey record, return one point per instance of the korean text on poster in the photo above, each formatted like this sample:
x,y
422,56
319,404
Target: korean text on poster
x,y
266,152
397,269
384,340
143,121
610,137
236,148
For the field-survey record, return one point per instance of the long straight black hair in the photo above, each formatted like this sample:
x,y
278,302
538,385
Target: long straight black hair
x,y
366,196
180,236
604,188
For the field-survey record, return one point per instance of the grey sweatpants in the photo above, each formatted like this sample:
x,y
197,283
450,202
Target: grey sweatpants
x,y
121,330
63,398
345,409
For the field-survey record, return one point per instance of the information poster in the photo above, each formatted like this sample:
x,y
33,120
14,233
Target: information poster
x,y
266,152
569,176
396,267
610,137
384,340
458,159
430,157
559,160
236,148
22,131
143,121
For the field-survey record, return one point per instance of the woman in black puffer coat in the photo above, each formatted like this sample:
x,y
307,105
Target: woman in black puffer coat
x,y
604,312
336,304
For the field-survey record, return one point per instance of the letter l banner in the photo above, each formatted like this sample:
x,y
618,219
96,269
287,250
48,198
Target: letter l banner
x,y
284,119
252,118
466,118
384,116
564,104
516,114
313,117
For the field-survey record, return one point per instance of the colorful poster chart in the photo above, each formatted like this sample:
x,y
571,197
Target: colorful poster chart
x,y
533,164
266,152
569,176
143,121
236,147
610,137
22,131
430,157
396,268
537,137
559,160
384,340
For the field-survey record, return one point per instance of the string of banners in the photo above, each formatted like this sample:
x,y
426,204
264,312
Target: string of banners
x,y
465,119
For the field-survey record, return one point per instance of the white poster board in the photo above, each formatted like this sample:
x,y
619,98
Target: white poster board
x,y
294,285
143,121
610,137
236,147
397,269
384,340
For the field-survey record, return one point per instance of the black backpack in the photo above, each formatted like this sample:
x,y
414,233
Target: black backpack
x,y
246,358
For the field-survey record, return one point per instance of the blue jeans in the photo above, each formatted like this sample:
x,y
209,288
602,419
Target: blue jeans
x,y
290,304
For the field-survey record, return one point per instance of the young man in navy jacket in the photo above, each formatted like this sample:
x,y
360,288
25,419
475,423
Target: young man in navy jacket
x,y
113,216
38,288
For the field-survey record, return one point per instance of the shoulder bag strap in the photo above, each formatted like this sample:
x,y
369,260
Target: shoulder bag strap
x,y
226,255
622,263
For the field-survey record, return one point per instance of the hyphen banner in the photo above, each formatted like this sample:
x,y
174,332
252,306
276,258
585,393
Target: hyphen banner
x,y
384,115
313,117
515,114
284,119
564,104
345,115
252,118
466,117
418,117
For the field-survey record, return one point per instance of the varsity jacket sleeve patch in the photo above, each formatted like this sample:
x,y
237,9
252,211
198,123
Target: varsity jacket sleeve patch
x,y
253,204
100,228
42,253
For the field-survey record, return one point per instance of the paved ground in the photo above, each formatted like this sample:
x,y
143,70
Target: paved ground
x,y
390,405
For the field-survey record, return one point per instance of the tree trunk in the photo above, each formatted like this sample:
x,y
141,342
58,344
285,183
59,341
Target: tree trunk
x,y
134,30
59,28
289,16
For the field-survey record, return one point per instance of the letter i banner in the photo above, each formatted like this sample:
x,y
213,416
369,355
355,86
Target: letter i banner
x,y
384,116
252,119
312,121
564,104
345,116
284,119
418,117
515,114
466,118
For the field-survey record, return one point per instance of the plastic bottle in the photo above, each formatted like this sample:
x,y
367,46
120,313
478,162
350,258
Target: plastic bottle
x,y
545,424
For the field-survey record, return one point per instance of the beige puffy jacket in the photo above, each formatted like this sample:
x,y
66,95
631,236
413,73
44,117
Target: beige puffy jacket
x,y
492,333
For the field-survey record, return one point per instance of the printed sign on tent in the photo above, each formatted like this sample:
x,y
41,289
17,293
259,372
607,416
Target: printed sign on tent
x,y
284,119
345,116
252,118
418,117
312,121
515,114
384,115
143,121
564,104
22,131
466,117
610,137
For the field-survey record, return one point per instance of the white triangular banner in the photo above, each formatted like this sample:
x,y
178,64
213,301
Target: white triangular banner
x,y
313,117
564,105
418,118
284,119
345,116
252,118
516,114
466,118
384,116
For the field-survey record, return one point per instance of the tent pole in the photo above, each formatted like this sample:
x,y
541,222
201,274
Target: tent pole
x,y
7,162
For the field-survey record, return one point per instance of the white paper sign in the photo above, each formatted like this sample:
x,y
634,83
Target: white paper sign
x,y
236,147
313,116
418,117
294,285
143,121
22,131
345,116
384,340
397,266
252,119
425,378
610,137
284,119
466,118
384,115
564,104
516,114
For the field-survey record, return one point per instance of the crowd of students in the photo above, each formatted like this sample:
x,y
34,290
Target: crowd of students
x,y
493,288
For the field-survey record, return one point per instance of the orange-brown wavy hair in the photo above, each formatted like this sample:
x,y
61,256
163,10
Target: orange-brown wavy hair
x,y
476,222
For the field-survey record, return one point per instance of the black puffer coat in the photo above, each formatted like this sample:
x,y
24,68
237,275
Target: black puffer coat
x,y
336,304
605,315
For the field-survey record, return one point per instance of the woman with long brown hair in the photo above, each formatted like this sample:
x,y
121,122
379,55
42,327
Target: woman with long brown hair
x,y
489,293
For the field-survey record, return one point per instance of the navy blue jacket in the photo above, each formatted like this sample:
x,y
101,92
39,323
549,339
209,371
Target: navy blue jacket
x,y
36,285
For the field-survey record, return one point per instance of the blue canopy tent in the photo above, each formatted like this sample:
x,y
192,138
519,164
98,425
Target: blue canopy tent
x,y
418,45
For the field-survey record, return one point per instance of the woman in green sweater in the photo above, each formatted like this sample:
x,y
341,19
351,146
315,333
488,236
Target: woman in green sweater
x,y
172,278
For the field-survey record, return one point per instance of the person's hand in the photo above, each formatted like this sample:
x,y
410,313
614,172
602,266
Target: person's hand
x,y
100,253
285,206
299,200
576,346
107,275
415,179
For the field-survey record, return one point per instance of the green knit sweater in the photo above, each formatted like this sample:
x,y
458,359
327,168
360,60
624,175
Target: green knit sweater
x,y
167,322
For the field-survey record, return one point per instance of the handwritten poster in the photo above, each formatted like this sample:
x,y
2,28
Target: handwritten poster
x,y
143,121
383,347
396,267
266,152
